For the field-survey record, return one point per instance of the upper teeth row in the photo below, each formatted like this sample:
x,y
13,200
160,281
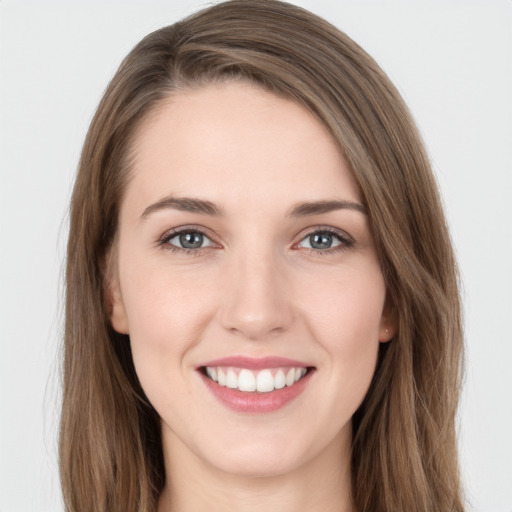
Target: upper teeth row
x,y
263,381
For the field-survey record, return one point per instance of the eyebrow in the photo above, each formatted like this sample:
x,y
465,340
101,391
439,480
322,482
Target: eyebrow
x,y
193,205
184,204
318,207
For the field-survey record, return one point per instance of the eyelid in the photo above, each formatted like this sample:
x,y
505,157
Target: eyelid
x,y
345,239
173,232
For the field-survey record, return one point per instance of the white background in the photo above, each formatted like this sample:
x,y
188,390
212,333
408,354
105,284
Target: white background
x,y
452,61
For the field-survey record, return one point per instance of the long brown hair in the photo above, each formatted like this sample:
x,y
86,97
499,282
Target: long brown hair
x,y
404,454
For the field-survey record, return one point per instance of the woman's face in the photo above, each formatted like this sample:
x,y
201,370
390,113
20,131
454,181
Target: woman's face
x,y
248,281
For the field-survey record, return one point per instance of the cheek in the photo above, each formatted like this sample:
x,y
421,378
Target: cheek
x,y
166,316
348,304
167,311
344,318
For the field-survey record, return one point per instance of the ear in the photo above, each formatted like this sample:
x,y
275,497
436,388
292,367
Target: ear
x,y
388,323
113,297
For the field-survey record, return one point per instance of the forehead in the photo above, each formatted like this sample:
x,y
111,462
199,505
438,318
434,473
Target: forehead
x,y
237,144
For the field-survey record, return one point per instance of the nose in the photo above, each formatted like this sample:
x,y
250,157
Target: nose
x,y
257,303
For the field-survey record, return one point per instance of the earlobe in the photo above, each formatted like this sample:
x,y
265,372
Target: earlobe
x,y
114,301
118,317
388,324
386,334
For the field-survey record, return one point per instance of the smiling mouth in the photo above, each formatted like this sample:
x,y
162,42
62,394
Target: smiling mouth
x,y
255,381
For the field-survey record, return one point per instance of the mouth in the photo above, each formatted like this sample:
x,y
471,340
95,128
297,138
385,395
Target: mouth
x,y
255,381
255,385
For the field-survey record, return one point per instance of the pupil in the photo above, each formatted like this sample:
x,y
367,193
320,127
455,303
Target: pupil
x,y
320,241
191,240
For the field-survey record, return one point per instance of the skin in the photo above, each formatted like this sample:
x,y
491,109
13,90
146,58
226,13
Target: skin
x,y
256,289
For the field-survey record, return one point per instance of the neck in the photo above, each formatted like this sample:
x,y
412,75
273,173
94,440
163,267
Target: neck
x,y
321,484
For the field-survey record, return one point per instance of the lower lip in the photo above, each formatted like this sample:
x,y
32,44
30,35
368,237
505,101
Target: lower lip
x,y
255,402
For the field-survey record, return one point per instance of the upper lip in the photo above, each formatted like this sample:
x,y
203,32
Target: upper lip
x,y
256,363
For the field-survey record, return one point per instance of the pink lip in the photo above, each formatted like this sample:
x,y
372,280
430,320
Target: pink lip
x,y
256,363
255,402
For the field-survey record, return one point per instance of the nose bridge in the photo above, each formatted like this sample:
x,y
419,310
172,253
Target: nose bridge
x,y
256,301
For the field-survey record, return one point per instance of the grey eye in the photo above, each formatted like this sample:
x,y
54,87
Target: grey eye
x,y
321,241
190,240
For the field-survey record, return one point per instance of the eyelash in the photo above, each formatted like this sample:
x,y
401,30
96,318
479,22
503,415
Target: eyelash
x,y
345,241
169,235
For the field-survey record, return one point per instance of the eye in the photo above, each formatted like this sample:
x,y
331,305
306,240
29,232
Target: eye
x,y
324,240
186,240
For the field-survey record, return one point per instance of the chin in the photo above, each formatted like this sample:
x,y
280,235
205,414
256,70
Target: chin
x,y
258,458
257,466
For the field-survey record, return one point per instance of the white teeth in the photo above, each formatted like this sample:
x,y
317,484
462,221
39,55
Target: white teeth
x,y
212,373
280,380
246,381
263,381
231,380
290,377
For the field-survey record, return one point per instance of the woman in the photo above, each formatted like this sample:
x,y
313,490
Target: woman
x,y
262,304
